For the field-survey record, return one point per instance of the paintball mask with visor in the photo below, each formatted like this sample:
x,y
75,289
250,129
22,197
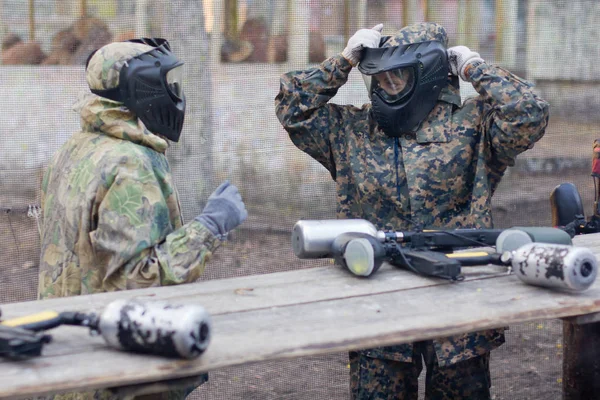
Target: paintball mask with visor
x,y
404,83
150,86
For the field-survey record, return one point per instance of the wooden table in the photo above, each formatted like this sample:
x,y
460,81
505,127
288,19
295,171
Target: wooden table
x,y
308,312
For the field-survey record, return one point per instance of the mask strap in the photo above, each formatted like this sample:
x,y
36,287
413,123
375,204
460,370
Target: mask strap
x,y
111,94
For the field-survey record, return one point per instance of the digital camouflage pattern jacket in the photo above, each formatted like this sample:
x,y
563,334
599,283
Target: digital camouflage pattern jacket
x,y
441,176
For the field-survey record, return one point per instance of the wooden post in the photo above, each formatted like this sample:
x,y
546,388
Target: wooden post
x,y
231,19
506,41
410,12
346,20
2,25
500,21
31,20
468,24
361,14
581,361
190,41
141,18
83,8
216,35
298,34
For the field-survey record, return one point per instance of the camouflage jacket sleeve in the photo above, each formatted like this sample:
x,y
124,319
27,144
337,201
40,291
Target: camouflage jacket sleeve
x,y
303,110
136,241
514,117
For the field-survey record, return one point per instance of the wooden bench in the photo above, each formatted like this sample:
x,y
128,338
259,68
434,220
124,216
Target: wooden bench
x,y
308,312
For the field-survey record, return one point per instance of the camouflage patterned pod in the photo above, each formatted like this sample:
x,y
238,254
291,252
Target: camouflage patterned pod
x,y
157,328
559,266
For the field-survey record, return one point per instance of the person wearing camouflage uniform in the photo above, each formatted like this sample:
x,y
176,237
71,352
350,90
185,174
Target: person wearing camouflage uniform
x,y
111,214
442,174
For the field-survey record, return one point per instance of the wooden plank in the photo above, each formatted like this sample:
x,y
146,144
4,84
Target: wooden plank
x,y
236,295
267,290
583,319
290,331
290,314
257,291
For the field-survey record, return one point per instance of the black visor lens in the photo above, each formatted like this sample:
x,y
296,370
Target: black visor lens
x,y
174,81
395,84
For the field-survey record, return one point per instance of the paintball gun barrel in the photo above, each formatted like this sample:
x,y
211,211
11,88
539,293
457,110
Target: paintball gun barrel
x,y
181,331
538,255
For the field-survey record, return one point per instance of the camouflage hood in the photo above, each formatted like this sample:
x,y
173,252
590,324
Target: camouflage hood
x,y
417,33
110,117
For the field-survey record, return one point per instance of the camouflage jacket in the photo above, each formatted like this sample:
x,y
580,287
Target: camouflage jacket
x,y
112,218
443,175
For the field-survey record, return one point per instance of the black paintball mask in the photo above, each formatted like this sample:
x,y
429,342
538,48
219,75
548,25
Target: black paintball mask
x,y
404,83
150,86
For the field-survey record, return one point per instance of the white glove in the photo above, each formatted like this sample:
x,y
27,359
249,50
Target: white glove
x,y
460,57
361,39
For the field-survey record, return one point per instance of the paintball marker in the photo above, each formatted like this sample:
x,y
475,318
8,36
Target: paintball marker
x,y
538,256
566,205
151,328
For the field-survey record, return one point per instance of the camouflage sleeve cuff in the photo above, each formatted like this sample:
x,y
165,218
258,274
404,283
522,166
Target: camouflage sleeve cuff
x,y
339,62
203,235
475,70
184,254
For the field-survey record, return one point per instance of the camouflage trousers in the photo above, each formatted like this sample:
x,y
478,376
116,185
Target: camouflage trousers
x,y
381,379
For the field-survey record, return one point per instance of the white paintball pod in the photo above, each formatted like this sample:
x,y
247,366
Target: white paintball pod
x,y
181,331
555,266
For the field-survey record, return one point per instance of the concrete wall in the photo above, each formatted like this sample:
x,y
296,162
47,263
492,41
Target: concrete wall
x,y
563,56
245,139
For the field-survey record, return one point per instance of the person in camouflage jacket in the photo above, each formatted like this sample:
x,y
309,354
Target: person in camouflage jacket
x,y
111,214
441,175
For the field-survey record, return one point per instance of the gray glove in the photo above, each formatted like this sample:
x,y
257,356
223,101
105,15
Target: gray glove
x,y
224,210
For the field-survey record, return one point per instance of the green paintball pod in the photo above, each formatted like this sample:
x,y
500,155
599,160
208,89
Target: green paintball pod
x,y
515,237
